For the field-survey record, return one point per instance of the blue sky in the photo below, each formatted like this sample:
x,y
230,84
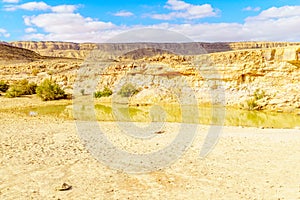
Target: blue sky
x,y
200,20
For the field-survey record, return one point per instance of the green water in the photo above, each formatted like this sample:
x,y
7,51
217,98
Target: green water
x,y
175,113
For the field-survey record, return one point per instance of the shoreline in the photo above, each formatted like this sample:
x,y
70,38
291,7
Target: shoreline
x,y
107,101
39,154
22,106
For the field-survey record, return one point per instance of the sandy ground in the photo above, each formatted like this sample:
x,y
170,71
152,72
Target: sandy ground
x,y
39,154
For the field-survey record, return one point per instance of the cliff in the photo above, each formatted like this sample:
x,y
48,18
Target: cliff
x,y
82,50
258,76
250,79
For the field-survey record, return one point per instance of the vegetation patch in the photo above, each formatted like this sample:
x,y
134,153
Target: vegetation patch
x,y
128,90
252,103
20,88
49,90
35,72
106,92
3,86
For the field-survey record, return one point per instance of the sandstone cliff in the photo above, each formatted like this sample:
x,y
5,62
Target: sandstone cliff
x,y
230,77
82,50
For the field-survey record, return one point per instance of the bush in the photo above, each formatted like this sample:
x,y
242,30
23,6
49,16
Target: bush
x,y
82,91
259,94
13,92
20,88
3,86
252,103
128,90
35,72
106,92
48,90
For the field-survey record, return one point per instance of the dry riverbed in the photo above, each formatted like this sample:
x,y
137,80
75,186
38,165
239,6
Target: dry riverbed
x,y
40,153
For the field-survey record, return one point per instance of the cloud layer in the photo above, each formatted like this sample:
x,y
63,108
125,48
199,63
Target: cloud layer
x,y
249,8
123,13
65,23
181,9
4,33
41,6
10,1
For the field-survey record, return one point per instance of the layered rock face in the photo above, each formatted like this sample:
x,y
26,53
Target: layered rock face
x,y
269,77
82,50
234,78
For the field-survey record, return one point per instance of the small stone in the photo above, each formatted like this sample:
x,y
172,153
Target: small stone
x,y
33,114
159,132
64,187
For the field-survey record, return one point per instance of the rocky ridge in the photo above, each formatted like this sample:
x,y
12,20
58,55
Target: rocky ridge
x,y
230,77
82,50
10,54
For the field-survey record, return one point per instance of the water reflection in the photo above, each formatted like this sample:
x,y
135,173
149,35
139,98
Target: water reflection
x,y
173,113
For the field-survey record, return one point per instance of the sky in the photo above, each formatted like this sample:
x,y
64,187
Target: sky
x,y
198,20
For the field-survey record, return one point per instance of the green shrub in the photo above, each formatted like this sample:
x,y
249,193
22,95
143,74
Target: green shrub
x,y
98,94
106,92
128,90
259,94
251,104
3,86
20,88
13,92
48,90
31,89
82,91
35,72
50,73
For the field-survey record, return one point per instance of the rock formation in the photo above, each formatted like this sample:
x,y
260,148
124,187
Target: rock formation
x,y
82,50
231,77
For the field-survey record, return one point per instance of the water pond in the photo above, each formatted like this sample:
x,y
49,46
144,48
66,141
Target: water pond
x,y
175,113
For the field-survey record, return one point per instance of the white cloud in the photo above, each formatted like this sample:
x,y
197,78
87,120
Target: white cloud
x,y
249,8
30,30
10,1
274,24
185,10
177,5
64,8
123,13
276,13
42,6
68,26
28,6
4,33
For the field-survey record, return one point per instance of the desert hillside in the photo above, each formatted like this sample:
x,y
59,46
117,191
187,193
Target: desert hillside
x,y
234,76
18,63
10,54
